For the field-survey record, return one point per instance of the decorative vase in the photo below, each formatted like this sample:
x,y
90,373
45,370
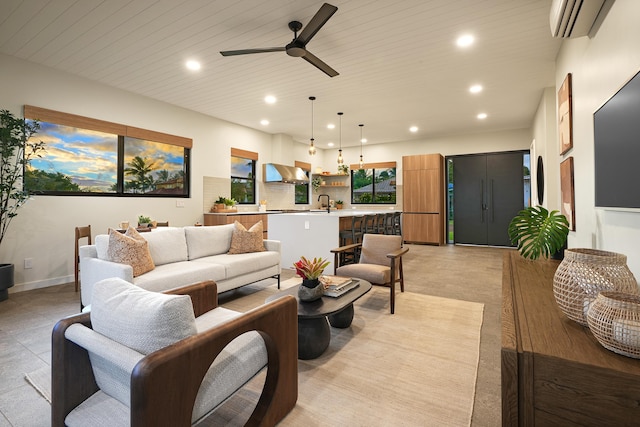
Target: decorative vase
x,y
583,273
310,290
6,280
614,319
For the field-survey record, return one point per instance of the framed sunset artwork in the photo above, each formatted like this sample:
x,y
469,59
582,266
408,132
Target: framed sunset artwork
x,y
567,192
565,131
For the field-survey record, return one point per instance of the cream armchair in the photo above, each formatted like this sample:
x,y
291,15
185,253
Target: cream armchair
x,y
142,358
380,262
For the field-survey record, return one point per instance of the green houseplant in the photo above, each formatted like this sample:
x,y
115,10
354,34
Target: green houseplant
x,y
144,221
16,152
536,232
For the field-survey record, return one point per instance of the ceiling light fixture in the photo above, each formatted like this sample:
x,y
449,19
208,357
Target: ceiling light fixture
x,y
482,116
264,122
270,99
312,148
361,140
413,129
465,40
475,89
340,159
193,65
331,126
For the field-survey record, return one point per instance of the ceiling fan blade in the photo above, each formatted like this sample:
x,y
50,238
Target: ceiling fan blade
x,y
248,51
319,19
317,62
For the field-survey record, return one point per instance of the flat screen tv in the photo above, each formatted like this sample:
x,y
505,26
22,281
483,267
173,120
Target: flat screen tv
x,y
617,148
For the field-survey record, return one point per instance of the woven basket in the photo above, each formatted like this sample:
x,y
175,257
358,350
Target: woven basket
x,y
614,319
583,273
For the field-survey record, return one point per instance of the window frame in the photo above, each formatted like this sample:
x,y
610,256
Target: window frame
x,y
373,167
44,115
247,155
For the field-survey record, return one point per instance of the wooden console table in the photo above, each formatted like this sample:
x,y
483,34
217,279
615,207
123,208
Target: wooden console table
x,y
554,371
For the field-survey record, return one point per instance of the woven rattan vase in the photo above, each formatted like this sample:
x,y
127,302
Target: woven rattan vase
x,y
585,272
614,319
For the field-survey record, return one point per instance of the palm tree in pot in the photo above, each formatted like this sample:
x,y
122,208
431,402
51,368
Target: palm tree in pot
x,y
536,231
16,152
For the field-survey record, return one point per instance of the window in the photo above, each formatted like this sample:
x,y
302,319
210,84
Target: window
x,y
302,190
92,157
376,183
243,176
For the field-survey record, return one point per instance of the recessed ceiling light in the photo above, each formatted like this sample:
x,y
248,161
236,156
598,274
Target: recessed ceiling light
x,y
331,126
330,144
270,99
363,140
413,129
193,65
475,89
482,116
264,122
465,40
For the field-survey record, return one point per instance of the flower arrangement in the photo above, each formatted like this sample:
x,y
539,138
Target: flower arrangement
x,y
310,269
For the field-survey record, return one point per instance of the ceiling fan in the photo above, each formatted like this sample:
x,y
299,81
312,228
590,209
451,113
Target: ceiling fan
x,y
297,47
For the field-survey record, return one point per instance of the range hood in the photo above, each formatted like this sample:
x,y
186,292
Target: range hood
x,y
273,172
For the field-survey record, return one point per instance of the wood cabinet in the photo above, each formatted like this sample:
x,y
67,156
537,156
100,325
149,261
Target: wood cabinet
x,y
248,220
554,372
423,199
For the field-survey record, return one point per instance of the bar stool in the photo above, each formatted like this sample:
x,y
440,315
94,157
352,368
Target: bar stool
x,y
351,235
81,232
369,224
380,223
397,223
388,223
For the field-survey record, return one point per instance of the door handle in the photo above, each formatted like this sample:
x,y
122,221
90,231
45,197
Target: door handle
x,y
483,206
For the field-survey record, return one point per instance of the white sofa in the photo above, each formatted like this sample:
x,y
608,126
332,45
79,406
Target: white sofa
x,y
182,256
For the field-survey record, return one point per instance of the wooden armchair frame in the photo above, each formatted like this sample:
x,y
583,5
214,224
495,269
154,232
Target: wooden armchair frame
x,y
164,384
396,266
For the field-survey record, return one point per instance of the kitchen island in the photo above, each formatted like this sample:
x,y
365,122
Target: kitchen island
x,y
311,234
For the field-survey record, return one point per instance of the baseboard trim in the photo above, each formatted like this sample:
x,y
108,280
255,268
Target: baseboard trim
x,y
21,287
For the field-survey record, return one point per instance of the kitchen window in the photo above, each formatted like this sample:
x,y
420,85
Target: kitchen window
x,y
243,176
302,190
374,184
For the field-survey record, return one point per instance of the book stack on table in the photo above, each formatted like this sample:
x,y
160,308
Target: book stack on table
x,y
336,286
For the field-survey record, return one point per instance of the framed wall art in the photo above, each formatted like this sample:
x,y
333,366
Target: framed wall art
x,y
565,125
567,192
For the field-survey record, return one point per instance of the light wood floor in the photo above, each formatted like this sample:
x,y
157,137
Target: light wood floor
x,y
458,272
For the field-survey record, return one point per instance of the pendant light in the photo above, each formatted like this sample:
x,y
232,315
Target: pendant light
x,y
340,159
312,149
361,140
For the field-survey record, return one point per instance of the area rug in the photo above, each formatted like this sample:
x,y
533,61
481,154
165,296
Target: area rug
x,y
41,381
416,367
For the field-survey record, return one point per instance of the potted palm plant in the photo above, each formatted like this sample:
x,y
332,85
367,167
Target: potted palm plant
x,y
536,232
16,152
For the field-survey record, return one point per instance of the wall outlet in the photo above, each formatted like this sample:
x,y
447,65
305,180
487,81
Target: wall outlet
x,y
306,225
28,263
179,203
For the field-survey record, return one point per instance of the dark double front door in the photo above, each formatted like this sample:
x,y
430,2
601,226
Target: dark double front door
x,y
488,191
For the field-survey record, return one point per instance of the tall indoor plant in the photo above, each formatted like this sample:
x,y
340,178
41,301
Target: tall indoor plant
x,y
16,152
536,231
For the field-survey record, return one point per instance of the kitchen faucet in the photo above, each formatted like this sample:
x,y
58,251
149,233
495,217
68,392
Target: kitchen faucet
x,y
328,206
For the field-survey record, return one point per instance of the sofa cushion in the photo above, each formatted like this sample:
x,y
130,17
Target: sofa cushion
x,y
167,245
102,245
176,274
130,248
206,241
241,264
142,320
244,241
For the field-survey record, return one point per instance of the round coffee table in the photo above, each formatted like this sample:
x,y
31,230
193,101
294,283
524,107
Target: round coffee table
x,y
314,318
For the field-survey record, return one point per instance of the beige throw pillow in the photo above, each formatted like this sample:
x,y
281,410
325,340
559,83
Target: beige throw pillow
x,y
243,241
130,248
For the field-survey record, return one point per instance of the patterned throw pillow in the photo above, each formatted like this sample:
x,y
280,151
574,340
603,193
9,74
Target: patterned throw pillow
x,y
130,248
243,241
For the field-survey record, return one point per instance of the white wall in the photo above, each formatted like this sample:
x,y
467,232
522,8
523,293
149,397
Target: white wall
x,y
600,66
43,230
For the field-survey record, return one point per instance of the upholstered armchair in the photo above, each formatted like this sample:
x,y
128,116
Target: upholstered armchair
x,y
142,358
380,262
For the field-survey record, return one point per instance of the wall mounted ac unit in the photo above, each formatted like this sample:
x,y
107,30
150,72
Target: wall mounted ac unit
x,y
573,18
